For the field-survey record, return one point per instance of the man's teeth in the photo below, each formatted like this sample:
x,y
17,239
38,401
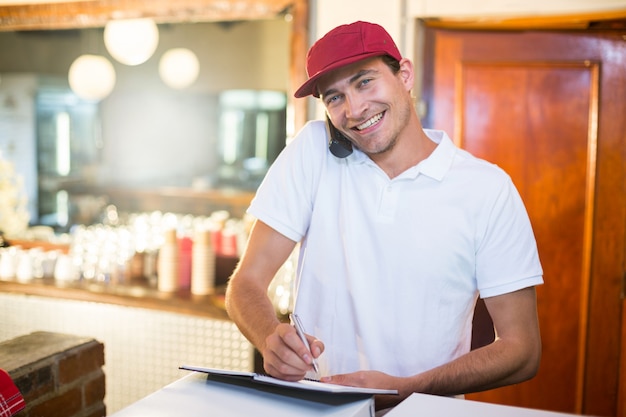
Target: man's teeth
x,y
370,122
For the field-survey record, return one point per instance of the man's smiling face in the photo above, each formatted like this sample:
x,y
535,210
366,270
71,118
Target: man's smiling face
x,y
367,102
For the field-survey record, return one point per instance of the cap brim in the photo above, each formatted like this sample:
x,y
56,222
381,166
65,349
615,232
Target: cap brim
x,y
310,86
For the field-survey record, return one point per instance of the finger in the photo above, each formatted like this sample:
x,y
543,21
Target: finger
x,y
340,379
275,365
317,347
300,348
284,353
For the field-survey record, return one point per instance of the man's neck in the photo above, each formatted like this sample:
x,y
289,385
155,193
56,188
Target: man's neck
x,y
408,152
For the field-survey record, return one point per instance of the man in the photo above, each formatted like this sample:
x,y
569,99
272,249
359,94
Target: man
x,y
399,235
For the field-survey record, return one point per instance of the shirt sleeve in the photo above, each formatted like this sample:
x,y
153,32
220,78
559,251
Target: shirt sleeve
x,y
284,200
507,258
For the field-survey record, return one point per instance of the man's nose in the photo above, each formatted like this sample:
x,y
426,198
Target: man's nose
x,y
354,106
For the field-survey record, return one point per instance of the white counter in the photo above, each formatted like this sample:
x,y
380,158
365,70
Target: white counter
x,y
197,396
434,406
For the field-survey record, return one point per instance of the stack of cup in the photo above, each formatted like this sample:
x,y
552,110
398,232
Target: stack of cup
x,y
65,271
168,263
8,262
202,264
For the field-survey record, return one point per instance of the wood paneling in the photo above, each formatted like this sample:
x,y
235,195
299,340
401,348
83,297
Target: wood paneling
x,y
621,403
604,18
552,177
544,105
76,14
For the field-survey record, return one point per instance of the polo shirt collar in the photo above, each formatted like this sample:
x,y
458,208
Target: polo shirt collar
x,y
435,166
439,162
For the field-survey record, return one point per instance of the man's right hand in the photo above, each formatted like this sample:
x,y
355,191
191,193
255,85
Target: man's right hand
x,y
285,356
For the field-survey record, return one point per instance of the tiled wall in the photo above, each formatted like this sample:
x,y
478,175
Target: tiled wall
x,y
143,348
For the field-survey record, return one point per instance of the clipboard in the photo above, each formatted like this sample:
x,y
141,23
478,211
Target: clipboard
x,y
305,385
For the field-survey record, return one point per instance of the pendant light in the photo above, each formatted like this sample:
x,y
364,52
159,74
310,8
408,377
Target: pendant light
x,y
91,77
179,68
131,41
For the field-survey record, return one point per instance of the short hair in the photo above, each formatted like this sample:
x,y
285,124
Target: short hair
x,y
392,63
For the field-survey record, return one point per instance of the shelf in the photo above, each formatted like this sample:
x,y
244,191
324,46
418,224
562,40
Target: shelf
x,y
137,293
182,302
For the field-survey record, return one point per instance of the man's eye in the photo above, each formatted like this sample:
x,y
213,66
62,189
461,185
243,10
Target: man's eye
x,y
365,81
332,99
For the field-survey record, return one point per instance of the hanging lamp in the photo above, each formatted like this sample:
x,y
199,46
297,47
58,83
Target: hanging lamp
x,y
131,41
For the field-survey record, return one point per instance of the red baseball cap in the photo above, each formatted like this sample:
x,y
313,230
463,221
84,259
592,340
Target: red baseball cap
x,y
345,45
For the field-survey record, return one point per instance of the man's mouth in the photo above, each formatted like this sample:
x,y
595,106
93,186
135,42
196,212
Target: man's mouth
x,y
369,122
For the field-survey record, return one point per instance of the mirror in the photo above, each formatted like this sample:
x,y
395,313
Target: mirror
x,y
145,135
249,125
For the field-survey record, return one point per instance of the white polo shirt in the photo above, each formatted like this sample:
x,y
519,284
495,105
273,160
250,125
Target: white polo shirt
x,y
390,269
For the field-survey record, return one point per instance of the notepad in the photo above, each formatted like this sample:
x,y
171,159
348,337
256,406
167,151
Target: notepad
x,y
304,384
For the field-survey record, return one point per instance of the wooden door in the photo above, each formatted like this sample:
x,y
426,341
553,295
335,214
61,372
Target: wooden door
x,y
550,108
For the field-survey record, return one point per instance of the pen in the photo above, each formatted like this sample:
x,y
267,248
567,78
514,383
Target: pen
x,y
300,330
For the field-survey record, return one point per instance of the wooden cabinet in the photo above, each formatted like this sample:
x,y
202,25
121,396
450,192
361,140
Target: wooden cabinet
x,y
549,107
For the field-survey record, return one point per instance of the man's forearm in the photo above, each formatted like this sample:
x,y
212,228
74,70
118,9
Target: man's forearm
x,y
252,312
513,357
247,302
498,364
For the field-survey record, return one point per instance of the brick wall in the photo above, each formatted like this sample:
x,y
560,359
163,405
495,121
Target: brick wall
x,y
59,375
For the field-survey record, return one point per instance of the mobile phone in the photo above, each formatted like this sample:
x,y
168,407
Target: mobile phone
x,y
338,144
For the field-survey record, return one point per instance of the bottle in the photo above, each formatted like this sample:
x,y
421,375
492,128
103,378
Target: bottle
x,y
202,264
168,263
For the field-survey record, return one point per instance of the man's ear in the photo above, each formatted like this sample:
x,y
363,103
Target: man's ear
x,y
407,73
